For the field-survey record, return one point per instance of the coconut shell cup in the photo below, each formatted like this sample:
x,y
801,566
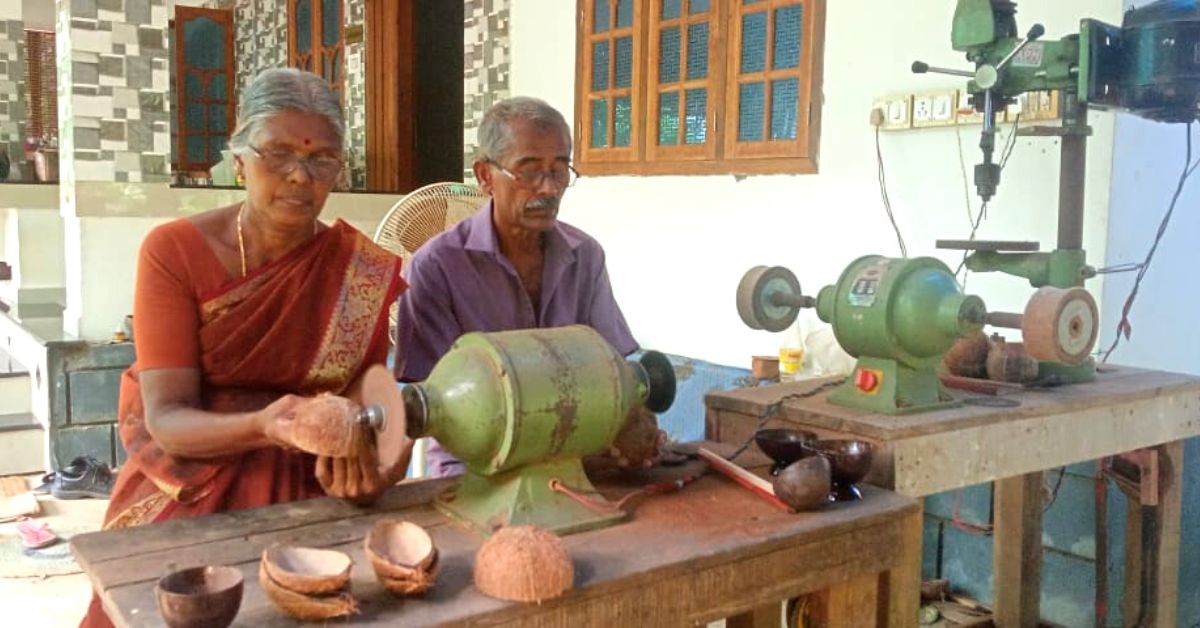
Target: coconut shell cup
x,y
403,556
783,446
804,484
326,425
524,564
306,607
307,570
200,597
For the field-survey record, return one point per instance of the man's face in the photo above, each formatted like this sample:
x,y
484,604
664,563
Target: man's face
x,y
526,197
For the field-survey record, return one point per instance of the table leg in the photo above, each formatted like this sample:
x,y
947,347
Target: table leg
x,y
901,585
1164,587
1131,604
765,616
1017,550
848,604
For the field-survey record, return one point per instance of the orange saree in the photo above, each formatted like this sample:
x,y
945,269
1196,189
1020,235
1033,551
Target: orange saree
x,y
307,323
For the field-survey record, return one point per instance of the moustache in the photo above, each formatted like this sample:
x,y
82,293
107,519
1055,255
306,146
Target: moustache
x,y
542,204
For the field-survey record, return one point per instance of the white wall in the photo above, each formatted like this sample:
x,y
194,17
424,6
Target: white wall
x,y
38,14
677,246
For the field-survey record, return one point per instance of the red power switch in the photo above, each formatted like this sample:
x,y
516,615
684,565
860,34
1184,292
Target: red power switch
x,y
867,380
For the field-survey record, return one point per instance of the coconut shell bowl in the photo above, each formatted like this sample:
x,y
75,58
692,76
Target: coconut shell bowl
x,y
207,597
783,446
849,462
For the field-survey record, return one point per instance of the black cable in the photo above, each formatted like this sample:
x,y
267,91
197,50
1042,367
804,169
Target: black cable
x,y
1010,143
883,193
1054,491
773,408
1123,326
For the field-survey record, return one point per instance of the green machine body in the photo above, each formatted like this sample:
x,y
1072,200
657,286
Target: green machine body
x,y
520,409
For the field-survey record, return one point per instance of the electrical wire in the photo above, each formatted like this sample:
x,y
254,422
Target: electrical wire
x,y
883,193
1124,327
1010,143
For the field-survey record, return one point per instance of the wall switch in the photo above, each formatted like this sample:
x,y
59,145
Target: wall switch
x,y
966,109
897,112
935,109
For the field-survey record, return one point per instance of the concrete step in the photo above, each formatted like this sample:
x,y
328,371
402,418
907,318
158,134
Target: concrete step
x,y
23,446
15,393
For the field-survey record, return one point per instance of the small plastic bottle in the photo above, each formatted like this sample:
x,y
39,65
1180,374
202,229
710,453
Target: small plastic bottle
x,y
791,354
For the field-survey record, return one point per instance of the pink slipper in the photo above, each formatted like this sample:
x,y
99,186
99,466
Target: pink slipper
x,y
36,534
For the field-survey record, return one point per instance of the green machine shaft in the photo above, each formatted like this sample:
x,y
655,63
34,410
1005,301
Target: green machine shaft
x,y
520,409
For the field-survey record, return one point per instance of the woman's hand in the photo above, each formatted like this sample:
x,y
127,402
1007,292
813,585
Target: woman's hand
x,y
277,419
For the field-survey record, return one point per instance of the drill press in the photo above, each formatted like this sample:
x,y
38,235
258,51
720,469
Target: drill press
x,y
1150,66
520,409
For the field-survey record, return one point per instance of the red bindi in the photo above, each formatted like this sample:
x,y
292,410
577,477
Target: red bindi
x,y
307,142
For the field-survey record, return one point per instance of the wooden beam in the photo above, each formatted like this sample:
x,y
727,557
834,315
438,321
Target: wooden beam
x,y
1017,550
1131,602
1164,603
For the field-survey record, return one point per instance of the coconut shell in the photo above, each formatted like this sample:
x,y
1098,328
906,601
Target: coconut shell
x,y
804,484
306,607
636,445
307,570
403,556
968,356
326,425
524,564
1008,362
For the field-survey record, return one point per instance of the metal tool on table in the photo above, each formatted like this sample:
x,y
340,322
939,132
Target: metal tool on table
x,y
899,316
1149,66
522,408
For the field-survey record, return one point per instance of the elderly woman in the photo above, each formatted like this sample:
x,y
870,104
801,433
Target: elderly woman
x,y
243,312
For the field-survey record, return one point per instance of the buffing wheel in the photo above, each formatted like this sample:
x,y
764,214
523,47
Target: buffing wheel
x,y
1060,325
757,294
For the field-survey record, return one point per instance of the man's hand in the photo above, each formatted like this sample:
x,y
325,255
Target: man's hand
x,y
357,479
636,445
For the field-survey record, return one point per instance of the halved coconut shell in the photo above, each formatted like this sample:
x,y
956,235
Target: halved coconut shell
x,y
524,564
307,570
327,425
306,607
402,555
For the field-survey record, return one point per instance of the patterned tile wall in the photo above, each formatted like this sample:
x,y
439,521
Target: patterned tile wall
x,y
113,70
355,12
486,67
12,86
260,27
64,36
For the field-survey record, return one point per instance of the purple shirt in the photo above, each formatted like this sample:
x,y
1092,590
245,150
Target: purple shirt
x,y
459,282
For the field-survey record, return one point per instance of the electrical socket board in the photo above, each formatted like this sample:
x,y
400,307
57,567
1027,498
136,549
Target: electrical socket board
x,y
950,107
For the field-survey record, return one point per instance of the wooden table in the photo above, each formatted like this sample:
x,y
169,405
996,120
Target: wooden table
x,y
931,452
710,551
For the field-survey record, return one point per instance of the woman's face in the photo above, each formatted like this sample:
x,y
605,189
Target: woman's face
x,y
293,162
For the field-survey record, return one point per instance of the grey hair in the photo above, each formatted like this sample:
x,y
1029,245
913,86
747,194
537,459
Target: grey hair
x,y
281,89
495,130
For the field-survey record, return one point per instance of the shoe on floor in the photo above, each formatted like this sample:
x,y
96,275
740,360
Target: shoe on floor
x,y
84,477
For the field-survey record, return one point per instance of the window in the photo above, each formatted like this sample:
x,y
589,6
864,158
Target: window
x,y
698,86
203,85
315,41
41,84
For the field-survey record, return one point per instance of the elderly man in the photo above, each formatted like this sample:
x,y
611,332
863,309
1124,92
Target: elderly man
x,y
513,264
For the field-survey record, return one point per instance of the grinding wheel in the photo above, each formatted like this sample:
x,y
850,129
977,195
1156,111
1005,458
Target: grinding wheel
x,y
377,391
768,297
661,381
1060,325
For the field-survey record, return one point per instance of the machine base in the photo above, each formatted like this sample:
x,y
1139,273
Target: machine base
x,y
888,387
1057,374
523,496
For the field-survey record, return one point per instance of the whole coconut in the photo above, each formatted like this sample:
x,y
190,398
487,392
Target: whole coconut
x,y
524,564
968,357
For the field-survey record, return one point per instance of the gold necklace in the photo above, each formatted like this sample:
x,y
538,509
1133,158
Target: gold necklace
x,y
242,241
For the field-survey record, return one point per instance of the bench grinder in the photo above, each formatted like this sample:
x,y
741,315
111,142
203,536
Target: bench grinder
x,y
520,409
899,316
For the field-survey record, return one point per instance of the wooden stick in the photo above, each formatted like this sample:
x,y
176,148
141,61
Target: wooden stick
x,y
756,484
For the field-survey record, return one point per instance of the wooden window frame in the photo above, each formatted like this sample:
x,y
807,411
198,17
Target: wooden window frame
x,y
317,55
722,154
224,17
636,90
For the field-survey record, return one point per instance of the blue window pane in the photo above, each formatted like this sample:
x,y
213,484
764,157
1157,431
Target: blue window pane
x,y
331,22
602,18
193,85
303,25
668,119
754,42
203,44
216,118
195,117
335,68
623,76
696,118
788,22
217,88
671,9
785,99
699,6
216,144
750,112
622,120
599,65
668,55
697,67
600,123
195,149
624,13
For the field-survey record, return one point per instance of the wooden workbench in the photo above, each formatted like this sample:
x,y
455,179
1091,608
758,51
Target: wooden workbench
x,y
710,551
926,453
